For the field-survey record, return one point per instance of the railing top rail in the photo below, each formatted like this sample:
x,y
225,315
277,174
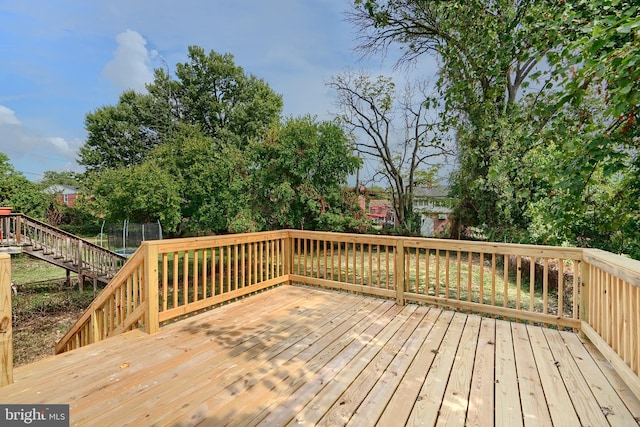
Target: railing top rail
x,y
619,266
190,243
57,231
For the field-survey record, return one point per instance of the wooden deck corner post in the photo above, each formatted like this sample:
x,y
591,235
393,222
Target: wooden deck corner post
x,y
398,275
288,257
151,322
6,333
584,292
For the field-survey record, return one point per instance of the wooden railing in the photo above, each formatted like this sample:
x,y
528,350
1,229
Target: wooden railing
x,y
59,247
611,310
167,279
121,306
535,283
579,289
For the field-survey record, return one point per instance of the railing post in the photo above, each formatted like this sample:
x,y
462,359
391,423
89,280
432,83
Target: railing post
x,y
398,275
151,322
288,256
4,228
584,292
18,230
6,338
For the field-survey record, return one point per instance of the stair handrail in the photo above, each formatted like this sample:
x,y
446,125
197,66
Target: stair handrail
x,y
67,234
23,224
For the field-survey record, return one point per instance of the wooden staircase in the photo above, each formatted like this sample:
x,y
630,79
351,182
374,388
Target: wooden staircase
x,y
19,233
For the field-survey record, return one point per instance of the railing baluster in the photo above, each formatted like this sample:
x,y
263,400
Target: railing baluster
x,y
165,281
458,275
505,281
196,284
560,295
481,279
518,280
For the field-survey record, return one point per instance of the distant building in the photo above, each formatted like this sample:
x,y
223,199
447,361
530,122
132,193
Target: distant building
x,y
434,206
381,212
65,194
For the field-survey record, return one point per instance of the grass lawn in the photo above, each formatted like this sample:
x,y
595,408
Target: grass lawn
x,y
452,275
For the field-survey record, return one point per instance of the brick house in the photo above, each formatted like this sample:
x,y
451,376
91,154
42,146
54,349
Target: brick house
x,y
65,194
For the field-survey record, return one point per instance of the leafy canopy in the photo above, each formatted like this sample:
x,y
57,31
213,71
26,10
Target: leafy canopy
x,y
208,153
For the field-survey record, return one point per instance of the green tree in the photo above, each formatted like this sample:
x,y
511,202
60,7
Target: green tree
x,y
218,96
608,53
214,181
197,127
141,193
210,93
489,54
121,135
394,129
60,178
299,173
18,192
597,180
543,97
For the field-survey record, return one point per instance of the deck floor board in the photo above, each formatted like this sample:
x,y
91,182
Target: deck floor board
x,y
302,356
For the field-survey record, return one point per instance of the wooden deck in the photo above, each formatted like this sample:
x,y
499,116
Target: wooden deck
x,y
299,356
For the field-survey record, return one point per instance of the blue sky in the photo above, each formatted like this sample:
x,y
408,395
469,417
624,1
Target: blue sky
x,y
62,59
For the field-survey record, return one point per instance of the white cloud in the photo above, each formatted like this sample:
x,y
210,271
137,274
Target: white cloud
x,y
8,116
61,145
30,152
131,66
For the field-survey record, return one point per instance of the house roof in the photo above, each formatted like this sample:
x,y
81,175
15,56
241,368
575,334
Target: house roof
x,y
61,189
431,192
381,202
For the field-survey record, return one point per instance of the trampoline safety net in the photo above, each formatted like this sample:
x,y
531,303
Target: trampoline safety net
x,y
125,238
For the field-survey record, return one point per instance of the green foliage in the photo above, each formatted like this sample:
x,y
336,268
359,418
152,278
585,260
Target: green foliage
x,y
60,178
80,219
142,193
547,153
19,193
211,94
298,174
178,152
219,97
608,47
223,162
212,176
120,135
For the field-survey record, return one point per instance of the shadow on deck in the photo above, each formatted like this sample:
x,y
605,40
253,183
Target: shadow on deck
x,y
300,356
